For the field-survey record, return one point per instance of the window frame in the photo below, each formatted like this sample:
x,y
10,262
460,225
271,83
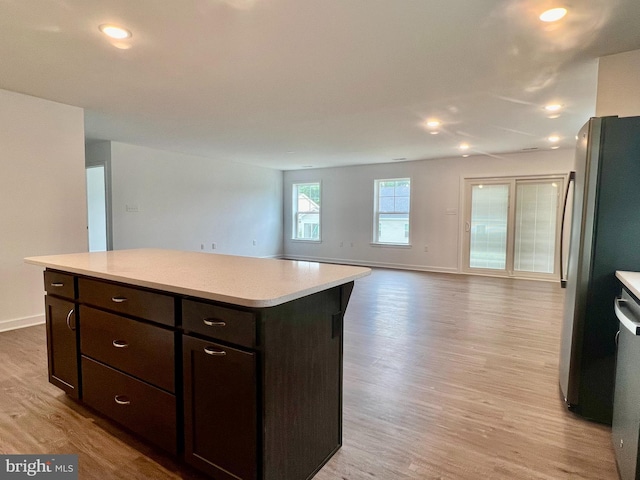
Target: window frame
x,y
376,213
296,213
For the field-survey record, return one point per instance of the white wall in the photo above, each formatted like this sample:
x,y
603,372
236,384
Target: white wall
x,y
619,85
347,207
184,201
43,207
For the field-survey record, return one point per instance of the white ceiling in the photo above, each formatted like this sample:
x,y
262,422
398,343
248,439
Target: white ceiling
x,y
295,83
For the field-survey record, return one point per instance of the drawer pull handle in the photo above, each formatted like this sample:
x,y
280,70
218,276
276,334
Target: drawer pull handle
x,y
57,284
69,320
120,344
118,299
213,351
122,400
214,323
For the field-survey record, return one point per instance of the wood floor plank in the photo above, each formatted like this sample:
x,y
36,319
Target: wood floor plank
x,y
447,377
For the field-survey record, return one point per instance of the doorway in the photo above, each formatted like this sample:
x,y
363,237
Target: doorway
x,y
512,226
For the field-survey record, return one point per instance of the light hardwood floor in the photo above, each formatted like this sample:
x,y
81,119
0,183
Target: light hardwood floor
x,y
445,377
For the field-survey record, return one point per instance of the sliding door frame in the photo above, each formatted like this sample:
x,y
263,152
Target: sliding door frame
x,y
466,185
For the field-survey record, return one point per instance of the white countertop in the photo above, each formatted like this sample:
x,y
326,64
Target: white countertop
x,y
246,281
631,280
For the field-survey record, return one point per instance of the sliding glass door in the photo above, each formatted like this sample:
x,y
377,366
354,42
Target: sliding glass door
x,y
512,226
488,226
536,226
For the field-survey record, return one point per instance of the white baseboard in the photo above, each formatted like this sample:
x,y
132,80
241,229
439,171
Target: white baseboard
x,y
6,325
398,266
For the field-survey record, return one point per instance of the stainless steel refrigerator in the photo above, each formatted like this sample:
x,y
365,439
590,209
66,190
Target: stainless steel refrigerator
x,y
605,237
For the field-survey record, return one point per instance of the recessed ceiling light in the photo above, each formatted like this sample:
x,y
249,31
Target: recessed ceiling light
x,y
435,132
554,138
464,146
555,147
433,123
553,15
554,107
113,31
465,155
400,159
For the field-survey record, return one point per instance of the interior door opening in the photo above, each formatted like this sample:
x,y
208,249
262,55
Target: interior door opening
x,y
96,208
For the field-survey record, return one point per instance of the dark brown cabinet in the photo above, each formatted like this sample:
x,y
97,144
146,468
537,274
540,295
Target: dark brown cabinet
x,y
62,332
263,387
140,349
241,393
137,302
127,345
62,344
142,408
220,409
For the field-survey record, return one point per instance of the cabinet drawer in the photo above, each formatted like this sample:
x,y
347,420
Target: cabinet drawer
x,y
139,349
143,409
152,306
234,326
60,284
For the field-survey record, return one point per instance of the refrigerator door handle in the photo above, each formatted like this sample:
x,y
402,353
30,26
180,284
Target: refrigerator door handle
x,y
563,280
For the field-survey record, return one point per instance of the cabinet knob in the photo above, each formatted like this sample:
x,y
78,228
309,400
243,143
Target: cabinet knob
x,y
213,351
122,400
210,322
120,344
118,299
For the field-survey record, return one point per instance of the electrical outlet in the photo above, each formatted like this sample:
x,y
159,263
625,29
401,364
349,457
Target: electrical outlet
x,y
214,246
202,246
255,242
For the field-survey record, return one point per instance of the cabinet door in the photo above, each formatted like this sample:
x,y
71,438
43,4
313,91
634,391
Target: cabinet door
x,y
220,409
62,344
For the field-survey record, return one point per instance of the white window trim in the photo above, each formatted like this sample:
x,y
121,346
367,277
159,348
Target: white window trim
x,y
392,245
295,213
375,242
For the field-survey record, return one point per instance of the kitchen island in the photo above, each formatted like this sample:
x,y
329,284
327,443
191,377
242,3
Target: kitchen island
x,y
233,363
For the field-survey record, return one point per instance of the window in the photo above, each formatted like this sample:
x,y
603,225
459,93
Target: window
x,y
306,211
391,211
